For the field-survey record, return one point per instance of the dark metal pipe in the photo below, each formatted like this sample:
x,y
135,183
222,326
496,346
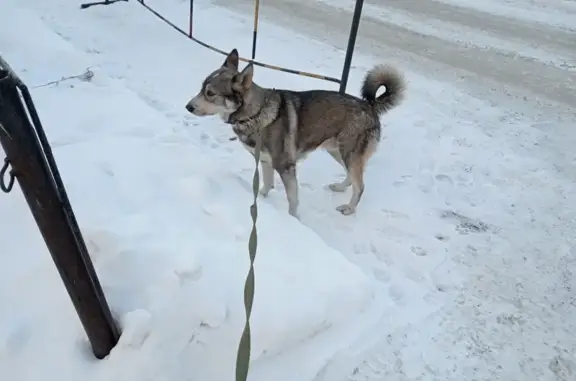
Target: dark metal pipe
x,y
351,44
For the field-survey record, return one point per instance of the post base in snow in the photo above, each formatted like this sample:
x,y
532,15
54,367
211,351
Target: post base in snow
x,y
106,2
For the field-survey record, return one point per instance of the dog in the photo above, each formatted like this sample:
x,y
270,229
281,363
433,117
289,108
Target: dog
x,y
291,124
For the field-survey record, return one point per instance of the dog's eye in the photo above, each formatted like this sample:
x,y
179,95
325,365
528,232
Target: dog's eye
x,y
210,93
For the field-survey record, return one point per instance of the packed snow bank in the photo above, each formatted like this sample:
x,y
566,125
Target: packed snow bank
x,y
167,225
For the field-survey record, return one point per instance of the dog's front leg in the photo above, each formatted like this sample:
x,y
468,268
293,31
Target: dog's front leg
x,y
288,175
267,177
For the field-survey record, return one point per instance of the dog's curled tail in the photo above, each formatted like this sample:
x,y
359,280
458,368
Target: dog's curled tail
x,y
392,80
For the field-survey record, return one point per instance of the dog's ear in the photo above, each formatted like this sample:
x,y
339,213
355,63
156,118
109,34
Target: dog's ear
x,y
231,61
244,79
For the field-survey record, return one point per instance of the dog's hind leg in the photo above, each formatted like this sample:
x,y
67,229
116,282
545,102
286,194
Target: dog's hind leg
x,y
355,167
344,184
355,161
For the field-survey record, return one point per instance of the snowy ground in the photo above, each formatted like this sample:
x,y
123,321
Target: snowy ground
x,y
459,264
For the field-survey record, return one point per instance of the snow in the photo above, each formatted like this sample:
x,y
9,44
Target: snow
x,y
457,266
167,224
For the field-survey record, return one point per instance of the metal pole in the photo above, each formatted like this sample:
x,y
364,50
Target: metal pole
x,y
351,44
191,18
47,204
255,33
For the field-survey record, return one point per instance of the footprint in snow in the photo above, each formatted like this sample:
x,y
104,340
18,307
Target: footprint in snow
x,y
381,275
397,294
464,225
418,251
444,178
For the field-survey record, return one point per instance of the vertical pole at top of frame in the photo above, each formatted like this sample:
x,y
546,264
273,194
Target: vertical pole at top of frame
x,y
255,33
351,44
191,18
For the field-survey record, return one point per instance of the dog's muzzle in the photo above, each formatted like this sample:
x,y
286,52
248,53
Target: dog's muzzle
x,y
190,108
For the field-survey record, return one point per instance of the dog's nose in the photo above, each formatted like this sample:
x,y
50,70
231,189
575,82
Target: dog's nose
x,y
189,107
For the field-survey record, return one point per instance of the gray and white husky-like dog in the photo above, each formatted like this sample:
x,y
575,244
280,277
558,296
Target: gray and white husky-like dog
x,y
292,124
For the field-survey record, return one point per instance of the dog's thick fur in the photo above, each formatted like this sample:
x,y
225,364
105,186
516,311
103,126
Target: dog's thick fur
x,y
294,123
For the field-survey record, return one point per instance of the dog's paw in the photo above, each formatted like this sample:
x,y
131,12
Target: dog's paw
x,y
346,209
264,191
338,187
294,213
